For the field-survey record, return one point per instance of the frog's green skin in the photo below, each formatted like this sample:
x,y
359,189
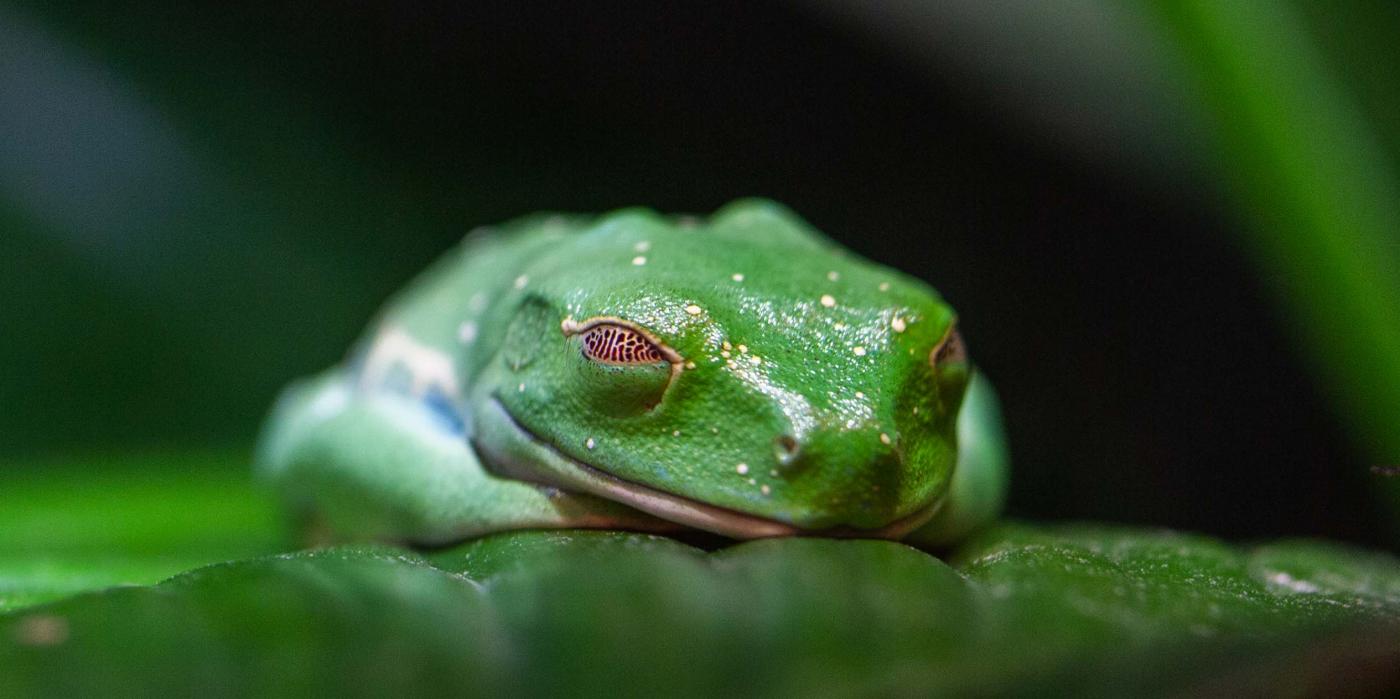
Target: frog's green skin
x,y
795,393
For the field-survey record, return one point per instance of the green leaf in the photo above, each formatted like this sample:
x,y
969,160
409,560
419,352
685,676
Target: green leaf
x,y
1024,609
1021,609
85,524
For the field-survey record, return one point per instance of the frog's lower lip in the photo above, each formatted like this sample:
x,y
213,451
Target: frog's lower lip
x,y
548,465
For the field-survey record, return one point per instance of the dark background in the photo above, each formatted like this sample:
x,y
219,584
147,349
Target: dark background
x,y
199,203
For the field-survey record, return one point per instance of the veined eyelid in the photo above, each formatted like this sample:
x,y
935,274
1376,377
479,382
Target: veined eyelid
x,y
571,327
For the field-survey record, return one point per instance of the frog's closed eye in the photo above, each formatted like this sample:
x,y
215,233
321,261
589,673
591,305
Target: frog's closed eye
x,y
949,350
616,342
612,344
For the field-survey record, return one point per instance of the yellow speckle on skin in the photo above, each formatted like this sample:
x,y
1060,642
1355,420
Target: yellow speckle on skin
x,y
737,277
858,351
743,349
884,438
742,469
690,365
839,326
642,246
828,300
897,324
639,260
590,443
765,489
675,433
521,281
884,286
860,395
724,353
726,345
694,310
833,276
773,473
754,360
916,410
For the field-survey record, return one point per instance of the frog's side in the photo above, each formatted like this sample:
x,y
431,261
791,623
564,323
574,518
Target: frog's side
x,y
741,375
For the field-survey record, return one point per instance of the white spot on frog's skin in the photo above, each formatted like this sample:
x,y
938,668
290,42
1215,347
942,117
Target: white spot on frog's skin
x,y
330,402
754,360
589,443
916,410
897,324
858,351
765,489
477,303
675,433
833,276
714,430
638,261
694,310
521,281
466,332
860,395
520,388
743,349
828,300
838,326
773,473
737,277
753,481
742,469
884,286
724,353
428,368
884,438
642,246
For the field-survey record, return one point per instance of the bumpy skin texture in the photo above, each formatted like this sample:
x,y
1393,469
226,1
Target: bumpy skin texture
x,y
773,384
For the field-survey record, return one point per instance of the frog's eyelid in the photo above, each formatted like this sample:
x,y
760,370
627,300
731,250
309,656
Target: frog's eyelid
x,y
616,341
949,349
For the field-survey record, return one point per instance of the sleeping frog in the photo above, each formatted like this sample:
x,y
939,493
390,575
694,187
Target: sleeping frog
x,y
741,375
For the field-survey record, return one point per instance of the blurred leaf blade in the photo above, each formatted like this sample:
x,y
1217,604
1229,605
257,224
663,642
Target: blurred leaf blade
x,y
84,524
1316,178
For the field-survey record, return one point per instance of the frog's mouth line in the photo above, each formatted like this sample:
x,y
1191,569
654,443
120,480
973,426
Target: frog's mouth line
x,y
534,459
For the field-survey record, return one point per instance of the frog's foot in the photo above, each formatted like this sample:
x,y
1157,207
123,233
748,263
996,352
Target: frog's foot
x,y
380,465
978,490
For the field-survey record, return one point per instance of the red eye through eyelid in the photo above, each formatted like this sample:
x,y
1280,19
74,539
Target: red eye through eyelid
x,y
614,344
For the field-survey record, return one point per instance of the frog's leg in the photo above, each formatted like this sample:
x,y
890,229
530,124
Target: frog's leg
x,y
380,465
978,490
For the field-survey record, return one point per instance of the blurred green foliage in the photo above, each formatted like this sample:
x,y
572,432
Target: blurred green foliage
x,y
1314,159
75,525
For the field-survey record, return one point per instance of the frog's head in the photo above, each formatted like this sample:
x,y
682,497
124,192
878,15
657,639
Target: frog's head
x,y
741,375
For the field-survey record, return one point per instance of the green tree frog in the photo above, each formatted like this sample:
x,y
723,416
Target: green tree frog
x,y
741,375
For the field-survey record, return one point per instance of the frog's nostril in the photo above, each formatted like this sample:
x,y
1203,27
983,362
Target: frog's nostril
x,y
786,449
